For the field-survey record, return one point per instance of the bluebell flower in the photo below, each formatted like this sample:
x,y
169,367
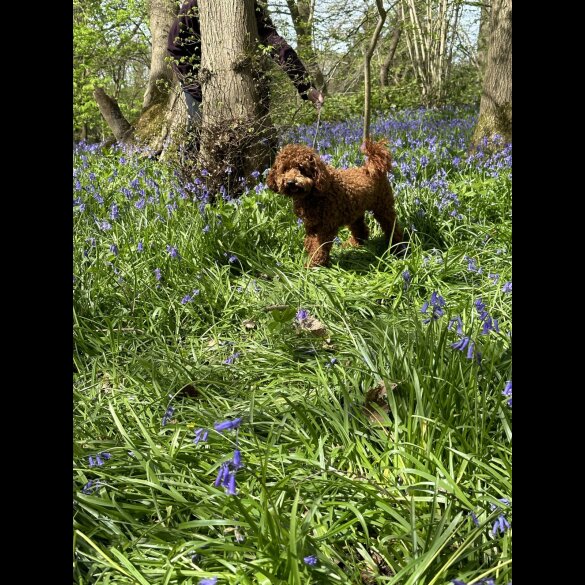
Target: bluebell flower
x,y
157,273
331,362
200,435
172,251
508,392
222,475
209,581
114,249
461,344
301,315
228,425
237,459
311,560
140,203
114,213
500,525
458,582
186,299
104,225
233,259
205,229
474,518
255,174
91,486
436,302
232,358
507,287
167,415
140,247
456,321
407,278
231,487
494,277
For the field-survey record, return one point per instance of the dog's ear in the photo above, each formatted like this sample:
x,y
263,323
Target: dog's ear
x,y
271,180
321,178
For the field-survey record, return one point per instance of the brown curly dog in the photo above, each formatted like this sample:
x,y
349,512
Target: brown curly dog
x,y
326,198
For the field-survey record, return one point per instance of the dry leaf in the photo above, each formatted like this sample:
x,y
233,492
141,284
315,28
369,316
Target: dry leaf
x,y
312,325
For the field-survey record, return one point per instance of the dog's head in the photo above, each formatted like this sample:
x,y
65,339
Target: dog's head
x,y
298,171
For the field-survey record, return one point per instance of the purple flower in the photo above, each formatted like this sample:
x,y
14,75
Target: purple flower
x,y
205,229
436,302
494,277
104,226
311,560
222,475
507,287
458,582
172,251
500,525
474,518
186,299
200,435
331,362
140,247
233,259
167,415
92,462
91,486
230,360
255,174
140,203
237,459
114,249
458,322
157,273
301,315
461,344
507,391
114,213
228,425
210,581
231,487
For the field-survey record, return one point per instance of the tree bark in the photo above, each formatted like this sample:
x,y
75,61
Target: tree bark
x,y
236,128
161,14
483,37
367,61
385,68
495,109
301,13
113,116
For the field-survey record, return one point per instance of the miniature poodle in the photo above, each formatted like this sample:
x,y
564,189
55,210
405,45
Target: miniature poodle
x,y
326,198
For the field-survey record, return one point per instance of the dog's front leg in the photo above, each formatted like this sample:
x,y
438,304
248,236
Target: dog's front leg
x,y
318,246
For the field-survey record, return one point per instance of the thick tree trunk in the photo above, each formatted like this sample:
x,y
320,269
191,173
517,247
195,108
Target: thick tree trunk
x,y
495,109
385,68
113,116
236,128
483,37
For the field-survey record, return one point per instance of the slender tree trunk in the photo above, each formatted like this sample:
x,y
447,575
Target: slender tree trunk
x,y
385,68
302,14
495,109
367,61
113,116
235,132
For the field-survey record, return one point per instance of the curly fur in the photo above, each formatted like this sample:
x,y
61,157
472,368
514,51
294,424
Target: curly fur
x,y
326,198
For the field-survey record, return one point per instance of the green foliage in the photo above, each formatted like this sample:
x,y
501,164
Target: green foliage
x,y
111,50
369,446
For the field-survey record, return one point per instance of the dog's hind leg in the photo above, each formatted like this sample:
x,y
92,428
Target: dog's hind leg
x,y
359,232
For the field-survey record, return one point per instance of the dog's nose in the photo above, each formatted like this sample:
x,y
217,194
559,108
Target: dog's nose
x,y
290,183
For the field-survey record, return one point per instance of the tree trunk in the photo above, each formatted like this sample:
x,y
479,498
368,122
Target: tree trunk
x,y
164,111
385,68
113,116
161,14
301,14
495,109
236,128
367,61
483,37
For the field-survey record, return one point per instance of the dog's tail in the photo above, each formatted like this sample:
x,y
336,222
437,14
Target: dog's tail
x,y
379,158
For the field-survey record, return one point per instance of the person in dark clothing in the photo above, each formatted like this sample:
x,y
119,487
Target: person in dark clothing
x,y
184,46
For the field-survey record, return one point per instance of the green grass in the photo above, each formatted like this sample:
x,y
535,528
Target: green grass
x,y
380,492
